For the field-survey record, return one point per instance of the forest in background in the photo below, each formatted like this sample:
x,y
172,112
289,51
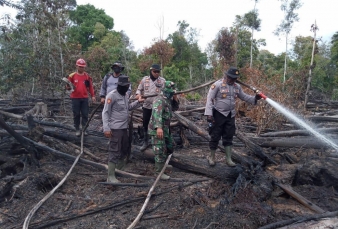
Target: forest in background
x,y
41,44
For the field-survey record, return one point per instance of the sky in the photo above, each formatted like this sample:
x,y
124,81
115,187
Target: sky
x,y
140,19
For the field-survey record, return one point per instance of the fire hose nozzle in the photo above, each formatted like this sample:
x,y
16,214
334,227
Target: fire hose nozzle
x,y
261,95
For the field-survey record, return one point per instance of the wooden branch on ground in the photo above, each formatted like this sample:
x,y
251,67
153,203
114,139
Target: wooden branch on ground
x,y
193,127
125,184
290,133
88,162
26,144
36,207
86,151
44,224
257,150
300,219
139,216
304,142
300,198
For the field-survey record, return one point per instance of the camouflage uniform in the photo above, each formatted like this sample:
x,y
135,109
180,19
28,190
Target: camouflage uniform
x,y
160,118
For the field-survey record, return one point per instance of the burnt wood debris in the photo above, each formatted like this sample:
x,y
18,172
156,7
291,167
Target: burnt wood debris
x,y
282,177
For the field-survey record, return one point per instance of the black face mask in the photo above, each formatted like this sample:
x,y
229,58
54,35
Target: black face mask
x,y
117,70
122,90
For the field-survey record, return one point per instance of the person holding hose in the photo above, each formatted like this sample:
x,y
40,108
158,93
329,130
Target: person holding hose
x,y
220,112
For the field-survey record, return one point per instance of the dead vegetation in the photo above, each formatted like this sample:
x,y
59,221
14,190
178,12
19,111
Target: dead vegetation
x,y
283,177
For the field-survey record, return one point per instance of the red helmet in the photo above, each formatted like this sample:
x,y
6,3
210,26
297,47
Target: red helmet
x,y
81,63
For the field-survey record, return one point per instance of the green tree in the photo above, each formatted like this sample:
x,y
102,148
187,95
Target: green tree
x,y
85,19
252,21
285,27
36,54
188,57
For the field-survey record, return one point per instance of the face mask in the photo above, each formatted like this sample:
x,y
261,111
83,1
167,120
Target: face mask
x,y
122,90
117,70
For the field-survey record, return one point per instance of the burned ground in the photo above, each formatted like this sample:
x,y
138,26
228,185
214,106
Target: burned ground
x,y
188,200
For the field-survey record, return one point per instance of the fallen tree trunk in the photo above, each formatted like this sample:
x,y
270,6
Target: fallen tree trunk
x,y
26,144
290,133
322,118
300,198
194,164
309,142
258,151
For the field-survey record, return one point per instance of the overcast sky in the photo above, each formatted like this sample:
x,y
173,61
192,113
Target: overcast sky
x,y
140,18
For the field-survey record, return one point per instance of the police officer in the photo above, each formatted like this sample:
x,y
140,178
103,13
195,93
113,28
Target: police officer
x,y
220,112
110,80
115,122
159,126
149,85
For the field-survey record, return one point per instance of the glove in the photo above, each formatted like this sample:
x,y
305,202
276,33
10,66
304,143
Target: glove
x,y
258,95
210,119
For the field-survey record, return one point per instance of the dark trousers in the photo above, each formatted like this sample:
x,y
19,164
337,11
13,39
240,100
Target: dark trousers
x,y
146,118
118,145
223,127
80,109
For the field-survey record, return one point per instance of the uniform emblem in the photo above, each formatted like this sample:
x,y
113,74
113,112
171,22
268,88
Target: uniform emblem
x,y
223,84
108,101
157,90
224,95
213,86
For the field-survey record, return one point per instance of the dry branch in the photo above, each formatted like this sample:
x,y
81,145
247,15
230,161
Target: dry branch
x,y
301,199
139,216
300,219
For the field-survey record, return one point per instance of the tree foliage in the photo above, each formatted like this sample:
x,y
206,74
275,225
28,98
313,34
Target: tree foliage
x,y
85,19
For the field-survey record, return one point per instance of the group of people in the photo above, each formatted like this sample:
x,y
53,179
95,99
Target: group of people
x,y
158,100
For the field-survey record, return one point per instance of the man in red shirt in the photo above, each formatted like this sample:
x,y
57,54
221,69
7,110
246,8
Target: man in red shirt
x,y
82,84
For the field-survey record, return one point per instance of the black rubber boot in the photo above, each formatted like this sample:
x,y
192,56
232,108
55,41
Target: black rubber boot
x,y
146,141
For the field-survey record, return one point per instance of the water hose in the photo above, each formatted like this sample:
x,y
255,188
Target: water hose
x,y
258,92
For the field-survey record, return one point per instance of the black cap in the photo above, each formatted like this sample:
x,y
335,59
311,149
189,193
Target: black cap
x,y
155,67
123,80
233,72
119,64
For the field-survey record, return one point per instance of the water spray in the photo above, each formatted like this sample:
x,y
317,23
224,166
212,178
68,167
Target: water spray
x,y
292,117
258,92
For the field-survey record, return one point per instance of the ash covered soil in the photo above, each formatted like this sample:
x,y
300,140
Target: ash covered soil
x,y
82,202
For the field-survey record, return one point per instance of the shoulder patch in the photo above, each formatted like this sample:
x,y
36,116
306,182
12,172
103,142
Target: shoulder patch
x,y
213,86
109,101
72,74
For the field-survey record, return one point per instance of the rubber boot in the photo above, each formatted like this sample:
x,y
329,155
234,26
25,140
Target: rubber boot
x,y
158,169
111,173
228,156
211,159
146,140
121,164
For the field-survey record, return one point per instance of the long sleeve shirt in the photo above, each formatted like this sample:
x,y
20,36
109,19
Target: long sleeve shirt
x,y
149,87
81,91
116,109
109,83
222,97
162,113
